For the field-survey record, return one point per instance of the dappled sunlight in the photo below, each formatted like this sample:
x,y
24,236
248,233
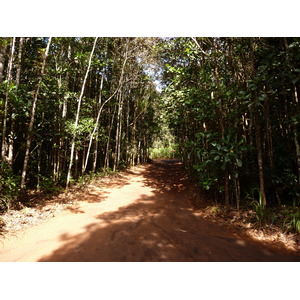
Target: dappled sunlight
x,y
157,226
241,243
147,219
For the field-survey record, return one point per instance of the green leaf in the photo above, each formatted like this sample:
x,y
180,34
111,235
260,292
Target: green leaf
x,y
294,80
239,163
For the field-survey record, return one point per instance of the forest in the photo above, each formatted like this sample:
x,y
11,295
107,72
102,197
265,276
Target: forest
x,y
227,107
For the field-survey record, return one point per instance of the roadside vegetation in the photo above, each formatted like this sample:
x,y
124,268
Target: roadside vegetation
x,y
233,107
71,107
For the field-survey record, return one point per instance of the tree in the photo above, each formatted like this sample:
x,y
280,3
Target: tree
x,y
77,114
8,87
232,106
32,117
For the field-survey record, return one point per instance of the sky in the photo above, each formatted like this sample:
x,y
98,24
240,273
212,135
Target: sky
x,y
150,18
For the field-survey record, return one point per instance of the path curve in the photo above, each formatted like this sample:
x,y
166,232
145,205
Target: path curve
x,y
142,216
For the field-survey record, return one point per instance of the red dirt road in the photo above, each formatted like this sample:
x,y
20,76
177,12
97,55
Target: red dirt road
x,y
142,216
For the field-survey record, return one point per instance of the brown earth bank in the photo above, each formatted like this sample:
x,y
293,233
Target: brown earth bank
x,y
145,215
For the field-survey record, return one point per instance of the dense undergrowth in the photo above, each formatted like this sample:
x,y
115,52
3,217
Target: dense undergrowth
x,y
13,198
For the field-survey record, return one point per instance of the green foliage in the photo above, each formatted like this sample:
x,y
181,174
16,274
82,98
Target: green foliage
x,y
292,219
216,89
117,82
255,196
163,152
9,186
47,184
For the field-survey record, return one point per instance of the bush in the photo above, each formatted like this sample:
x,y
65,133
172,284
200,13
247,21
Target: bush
x,y
47,184
257,204
9,186
163,152
292,219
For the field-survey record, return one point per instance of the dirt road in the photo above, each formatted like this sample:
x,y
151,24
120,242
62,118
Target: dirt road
x,y
141,216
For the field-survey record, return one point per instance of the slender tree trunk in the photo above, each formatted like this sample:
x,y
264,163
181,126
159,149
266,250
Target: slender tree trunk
x,y
77,116
39,162
95,153
236,178
32,118
296,135
296,101
18,75
95,131
96,125
62,145
133,137
4,128
258,132
106,161
222,129
83,158
76,163
139,152
117,132
127,146
3,47
120,130
12,128
119,116
259,156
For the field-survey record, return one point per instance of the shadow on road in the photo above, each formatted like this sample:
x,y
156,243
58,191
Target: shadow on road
x,y
161,227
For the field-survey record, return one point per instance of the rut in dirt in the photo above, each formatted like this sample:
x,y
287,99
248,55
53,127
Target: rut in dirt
x,y
142,217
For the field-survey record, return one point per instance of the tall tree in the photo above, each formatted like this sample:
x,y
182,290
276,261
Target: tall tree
x,y
257,129
9,77
78,113
32,117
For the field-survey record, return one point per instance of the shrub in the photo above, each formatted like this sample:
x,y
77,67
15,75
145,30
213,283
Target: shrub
x,y
9,186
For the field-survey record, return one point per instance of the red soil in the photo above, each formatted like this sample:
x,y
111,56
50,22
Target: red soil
x,y
142,216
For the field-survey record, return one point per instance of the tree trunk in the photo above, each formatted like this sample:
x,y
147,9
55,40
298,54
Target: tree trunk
x,y
18,75
96,125
119,116
257,132
222,129
77,116
296,136
95,154
12,128
116,156
62,145
296,101
9,71
106,161
33,110
3,47
39,162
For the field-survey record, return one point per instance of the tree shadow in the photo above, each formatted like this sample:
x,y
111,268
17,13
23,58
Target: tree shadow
x,y
161,227
90,192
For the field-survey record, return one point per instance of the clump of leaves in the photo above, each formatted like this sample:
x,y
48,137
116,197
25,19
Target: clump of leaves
x,y
255,196
47,184
292,219
163,152
215,210
9,187
5,203
2,224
